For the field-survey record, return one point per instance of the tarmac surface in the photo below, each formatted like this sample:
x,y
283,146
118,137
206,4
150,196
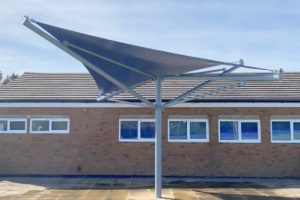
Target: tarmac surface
x,y
51,188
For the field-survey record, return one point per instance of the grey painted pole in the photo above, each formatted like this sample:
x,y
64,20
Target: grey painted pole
x,y
158,139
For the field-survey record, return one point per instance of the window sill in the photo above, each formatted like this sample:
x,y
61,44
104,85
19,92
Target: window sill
x,y
48,133
188,141
137,140
284,142
241,142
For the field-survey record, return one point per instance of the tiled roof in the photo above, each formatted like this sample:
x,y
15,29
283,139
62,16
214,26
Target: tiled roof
x,y
81,87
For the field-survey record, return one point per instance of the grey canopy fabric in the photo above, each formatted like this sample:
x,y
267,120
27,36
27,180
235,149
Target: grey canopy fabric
x,y
153,62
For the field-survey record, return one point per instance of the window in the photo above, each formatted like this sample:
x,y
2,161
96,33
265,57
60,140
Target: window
x,y
132,130
285,131
188,130
13,125
239,131
49,125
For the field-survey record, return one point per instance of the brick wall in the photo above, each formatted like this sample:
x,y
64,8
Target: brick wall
x,y
92,147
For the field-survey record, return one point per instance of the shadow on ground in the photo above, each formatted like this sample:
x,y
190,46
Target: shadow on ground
x,y
244,196
142,188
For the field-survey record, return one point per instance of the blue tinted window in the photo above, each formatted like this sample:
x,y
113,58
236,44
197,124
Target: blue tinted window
x,y
229,130
129,129
3,125
147,130
197,130
178,130
281,130
249,130
297,130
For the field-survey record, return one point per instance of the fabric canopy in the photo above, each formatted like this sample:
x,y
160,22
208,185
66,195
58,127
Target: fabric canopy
x,y
153,62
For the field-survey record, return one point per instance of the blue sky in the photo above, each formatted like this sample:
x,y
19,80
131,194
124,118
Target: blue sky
x,y
263,33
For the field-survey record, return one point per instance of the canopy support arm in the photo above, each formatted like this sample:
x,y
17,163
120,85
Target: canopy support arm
x,y
216,91
187,93
90,65
107,59
232,77
110,95
129,103
206,72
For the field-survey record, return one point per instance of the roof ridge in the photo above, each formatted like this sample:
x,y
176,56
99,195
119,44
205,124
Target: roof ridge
x,y
62,73
79,73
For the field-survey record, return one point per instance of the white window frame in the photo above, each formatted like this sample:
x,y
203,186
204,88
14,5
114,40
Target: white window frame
x,y
139,139
240,140
14,131
291,121
188,131
50,120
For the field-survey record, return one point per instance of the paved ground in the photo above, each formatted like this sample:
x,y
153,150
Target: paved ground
x,y
100,188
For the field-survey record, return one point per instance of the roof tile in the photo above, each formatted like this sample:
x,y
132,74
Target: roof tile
x,y
81,87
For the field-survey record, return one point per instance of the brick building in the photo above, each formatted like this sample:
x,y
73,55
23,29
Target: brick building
x,y
48,126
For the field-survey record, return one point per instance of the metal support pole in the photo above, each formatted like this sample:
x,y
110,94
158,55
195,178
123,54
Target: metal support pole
x,y
158,139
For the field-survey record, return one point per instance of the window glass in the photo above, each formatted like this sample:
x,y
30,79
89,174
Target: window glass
x,y
129,129
59,125
178,130
281,130
197,130
229,130
249,130
40,125
17,125
3,125
297,130
147,130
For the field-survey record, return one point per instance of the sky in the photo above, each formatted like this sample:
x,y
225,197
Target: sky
x,y
265,33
